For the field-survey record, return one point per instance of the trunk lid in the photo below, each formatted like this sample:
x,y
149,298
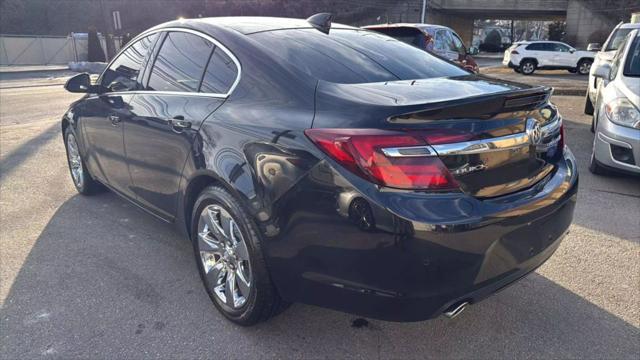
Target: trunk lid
x,y
495,137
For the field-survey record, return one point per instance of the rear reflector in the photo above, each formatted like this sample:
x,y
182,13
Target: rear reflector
x,y
360,151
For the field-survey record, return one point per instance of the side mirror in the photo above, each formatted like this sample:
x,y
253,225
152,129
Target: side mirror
x,y
603,71
472,50
594,47
80,83
572,50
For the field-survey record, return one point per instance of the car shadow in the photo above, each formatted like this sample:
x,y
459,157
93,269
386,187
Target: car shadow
x,y
105,280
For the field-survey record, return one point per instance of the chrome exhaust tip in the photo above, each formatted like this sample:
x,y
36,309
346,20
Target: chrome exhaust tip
x,y
456,309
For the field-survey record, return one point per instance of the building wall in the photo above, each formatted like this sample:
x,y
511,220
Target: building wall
x,y
592,21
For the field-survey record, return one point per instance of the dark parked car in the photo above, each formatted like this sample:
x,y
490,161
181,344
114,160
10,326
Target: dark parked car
x,y
327,165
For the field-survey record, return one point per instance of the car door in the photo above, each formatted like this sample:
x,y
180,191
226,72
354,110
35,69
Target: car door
x,y
538,52
562,55
103,116
189,79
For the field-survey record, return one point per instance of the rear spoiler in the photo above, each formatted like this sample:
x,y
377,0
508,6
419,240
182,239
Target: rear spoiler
x,y
521,100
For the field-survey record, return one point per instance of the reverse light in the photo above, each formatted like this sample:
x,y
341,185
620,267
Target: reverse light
x,y
360,151
622,112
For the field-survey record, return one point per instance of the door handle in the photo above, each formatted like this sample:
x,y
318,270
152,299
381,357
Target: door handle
x,y
115,119
179,124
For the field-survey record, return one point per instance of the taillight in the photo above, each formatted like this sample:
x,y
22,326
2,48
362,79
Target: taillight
x,y
361,151
514,52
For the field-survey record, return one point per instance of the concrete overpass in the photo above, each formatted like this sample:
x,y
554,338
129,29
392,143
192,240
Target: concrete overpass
x,y
587,20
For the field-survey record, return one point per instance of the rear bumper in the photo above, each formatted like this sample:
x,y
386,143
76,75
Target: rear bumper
x,y
406,256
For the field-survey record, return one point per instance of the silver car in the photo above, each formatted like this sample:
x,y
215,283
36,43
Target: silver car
x,y
616,143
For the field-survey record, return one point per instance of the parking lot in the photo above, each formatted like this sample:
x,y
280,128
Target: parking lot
x,y
95,277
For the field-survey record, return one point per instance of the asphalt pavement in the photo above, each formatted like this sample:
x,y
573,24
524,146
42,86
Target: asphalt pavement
x,y
94,277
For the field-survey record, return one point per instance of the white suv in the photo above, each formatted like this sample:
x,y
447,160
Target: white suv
x,y
527,56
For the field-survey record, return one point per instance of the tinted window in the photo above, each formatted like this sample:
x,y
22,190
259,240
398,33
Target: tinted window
x,y
126,67
632,63
220,74
411,36
180,63
354,56
535,47
616,39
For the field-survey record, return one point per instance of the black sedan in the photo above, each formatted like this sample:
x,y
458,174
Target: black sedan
x,y
325,164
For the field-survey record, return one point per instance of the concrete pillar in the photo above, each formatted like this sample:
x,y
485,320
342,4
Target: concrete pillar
x,y
589,21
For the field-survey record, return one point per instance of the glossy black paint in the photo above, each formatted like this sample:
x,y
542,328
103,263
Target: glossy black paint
x,y
330,237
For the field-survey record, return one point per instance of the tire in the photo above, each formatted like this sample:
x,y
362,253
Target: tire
x,y
231,254
588,106
527,67
584,66
82,179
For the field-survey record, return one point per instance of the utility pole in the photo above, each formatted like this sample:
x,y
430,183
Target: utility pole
x,y
424,10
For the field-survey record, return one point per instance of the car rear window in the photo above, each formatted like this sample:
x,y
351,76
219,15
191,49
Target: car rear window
x,y
354,56
408,35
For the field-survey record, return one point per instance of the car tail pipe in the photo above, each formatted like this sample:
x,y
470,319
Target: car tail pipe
x,y
456,309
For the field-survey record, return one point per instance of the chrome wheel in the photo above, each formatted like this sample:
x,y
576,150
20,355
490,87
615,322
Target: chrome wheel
x,y
527,68
224,256
584,67
75,161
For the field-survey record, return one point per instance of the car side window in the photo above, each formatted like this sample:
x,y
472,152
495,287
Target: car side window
x,y
457,44
560,47
617,59
440,40
125,68
220,74
547,47
180,63
534,47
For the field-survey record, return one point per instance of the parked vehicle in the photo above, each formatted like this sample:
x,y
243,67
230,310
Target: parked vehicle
x,y
441,40
308,165
527,56
616,116
604,55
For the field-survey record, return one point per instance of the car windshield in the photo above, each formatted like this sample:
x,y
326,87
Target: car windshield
x,y
616,39
632,63
354,56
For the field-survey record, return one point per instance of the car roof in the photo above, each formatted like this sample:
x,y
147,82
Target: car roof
x,y
253,24
413,25
542,41
630,26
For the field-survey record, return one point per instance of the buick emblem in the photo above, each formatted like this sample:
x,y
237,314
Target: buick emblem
x,y
534,131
